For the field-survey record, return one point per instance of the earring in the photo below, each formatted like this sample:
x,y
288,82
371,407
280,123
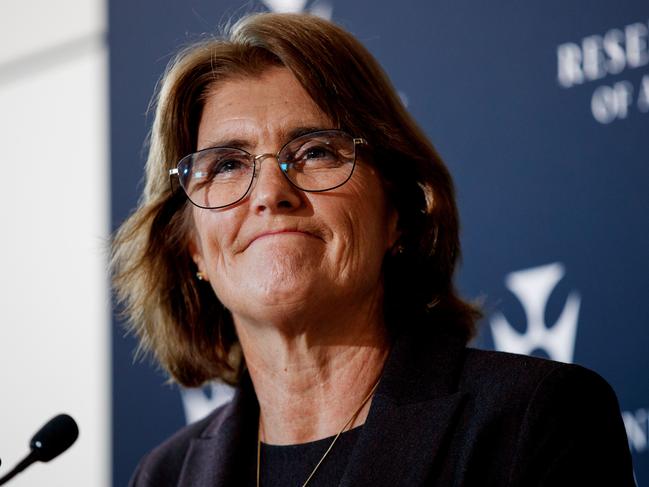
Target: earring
x,y
200,276
398,250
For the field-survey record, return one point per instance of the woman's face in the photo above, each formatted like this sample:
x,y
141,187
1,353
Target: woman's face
x,y
282,252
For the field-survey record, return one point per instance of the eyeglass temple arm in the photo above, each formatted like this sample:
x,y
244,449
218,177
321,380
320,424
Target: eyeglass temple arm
x,y
173,171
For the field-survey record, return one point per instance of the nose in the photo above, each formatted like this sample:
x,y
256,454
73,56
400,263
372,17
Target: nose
x,y
271,190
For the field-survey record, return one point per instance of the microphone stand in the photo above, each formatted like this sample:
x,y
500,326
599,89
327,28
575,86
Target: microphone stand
x,y
24,463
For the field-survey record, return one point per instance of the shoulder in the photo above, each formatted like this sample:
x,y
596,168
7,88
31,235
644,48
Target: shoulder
x,y
163,464
504,370
560,418
508,373
531,389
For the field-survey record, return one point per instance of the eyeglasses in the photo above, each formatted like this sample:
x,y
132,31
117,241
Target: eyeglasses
x,y
222,176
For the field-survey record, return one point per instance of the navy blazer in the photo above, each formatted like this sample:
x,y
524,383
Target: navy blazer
x,y
442,415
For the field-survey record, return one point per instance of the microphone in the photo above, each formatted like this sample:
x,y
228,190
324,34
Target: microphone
x,y
56,436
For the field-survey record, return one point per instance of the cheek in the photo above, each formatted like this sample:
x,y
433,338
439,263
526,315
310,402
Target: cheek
x,y
371,211
212,232
363,236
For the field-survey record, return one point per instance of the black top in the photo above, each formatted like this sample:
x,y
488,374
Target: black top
x,y
291,465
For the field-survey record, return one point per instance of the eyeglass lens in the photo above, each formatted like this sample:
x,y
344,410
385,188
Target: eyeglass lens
x,y
221,176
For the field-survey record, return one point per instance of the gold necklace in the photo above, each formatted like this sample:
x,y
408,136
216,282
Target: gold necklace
x,y
349,421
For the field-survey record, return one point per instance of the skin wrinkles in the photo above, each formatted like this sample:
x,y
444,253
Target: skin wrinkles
x,y
307,304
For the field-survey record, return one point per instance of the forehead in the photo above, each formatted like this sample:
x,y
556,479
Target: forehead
x,y
258,110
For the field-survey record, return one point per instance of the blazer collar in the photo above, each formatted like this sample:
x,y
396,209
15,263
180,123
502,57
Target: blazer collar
x,y
222,453
414,406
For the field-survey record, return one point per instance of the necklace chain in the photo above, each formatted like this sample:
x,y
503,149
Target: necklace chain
x,y
345,426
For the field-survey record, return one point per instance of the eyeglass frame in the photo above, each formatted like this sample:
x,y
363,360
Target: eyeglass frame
x,y
174,171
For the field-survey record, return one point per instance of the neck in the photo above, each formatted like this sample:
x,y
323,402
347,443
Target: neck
x,y
309,383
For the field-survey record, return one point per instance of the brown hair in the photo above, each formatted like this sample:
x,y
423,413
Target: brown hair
x,y
179,318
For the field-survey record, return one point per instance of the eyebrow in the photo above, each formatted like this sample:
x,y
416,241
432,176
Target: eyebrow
x,y
240,143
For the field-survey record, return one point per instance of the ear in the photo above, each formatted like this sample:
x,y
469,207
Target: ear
x,y
393,231
196,253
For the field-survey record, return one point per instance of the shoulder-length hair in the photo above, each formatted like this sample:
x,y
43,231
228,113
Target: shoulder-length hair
x,y
177,317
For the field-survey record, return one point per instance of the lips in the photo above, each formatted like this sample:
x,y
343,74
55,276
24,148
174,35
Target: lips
x,y
278,232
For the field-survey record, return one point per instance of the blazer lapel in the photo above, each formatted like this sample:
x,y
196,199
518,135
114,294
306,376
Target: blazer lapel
x,y
413,409
216,457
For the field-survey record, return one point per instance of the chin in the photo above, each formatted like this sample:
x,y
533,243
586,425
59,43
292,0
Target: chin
x,y
279,296
282,290
274,269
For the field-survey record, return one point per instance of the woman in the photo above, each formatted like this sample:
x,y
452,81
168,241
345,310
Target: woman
x,y
306,254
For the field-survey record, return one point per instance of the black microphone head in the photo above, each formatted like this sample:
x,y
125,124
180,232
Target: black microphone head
x,y
54,438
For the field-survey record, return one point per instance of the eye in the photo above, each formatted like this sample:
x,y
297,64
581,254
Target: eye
x,y
314,155
225,166
220,167
317,152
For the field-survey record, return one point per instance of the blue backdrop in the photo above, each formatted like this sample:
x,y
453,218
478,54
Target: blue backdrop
x,y
541,111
